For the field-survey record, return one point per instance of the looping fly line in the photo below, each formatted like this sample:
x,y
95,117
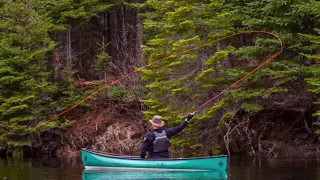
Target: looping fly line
x,y
273,56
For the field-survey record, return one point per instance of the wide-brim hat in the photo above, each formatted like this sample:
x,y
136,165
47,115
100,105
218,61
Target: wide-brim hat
x,y
156,121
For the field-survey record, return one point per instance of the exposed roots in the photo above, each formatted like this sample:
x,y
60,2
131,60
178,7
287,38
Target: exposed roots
x,y
122,138
283,134
116,129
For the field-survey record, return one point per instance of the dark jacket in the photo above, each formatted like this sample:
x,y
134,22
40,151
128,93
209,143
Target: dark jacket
x,y
150,137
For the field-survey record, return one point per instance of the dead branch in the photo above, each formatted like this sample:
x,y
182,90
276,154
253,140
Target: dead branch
x,y
247,131
226,137
305,123
259,145
271,150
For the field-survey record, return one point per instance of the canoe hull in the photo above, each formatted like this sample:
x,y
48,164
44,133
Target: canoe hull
x,y
97,161
147,175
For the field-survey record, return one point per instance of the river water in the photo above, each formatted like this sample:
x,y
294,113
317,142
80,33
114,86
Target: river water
x,y
240,168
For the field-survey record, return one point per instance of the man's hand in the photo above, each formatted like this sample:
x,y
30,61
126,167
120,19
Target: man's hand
x,y
190,115
145,156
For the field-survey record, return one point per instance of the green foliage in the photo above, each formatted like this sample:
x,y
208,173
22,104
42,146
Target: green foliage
x,y
224,119
17,153
317,124
101,63
219,56
211,112
67,123
203,75
70,12
28,95
175,26
313,80
25,90
116,93
176,84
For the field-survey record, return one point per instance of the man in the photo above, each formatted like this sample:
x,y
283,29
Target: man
x,y
156,141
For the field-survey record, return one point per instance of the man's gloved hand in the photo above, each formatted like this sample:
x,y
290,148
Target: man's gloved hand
x,y
190,115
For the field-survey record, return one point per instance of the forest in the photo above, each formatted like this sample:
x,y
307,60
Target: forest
x,y
59,60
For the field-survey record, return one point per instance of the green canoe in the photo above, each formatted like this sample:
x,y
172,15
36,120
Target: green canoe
x,y
147,175
100,160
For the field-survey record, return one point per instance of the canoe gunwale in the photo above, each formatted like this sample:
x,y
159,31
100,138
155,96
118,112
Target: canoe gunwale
x,y
108,154
119,156
90,168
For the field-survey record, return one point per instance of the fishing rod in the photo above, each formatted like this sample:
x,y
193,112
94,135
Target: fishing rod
x,y
272,57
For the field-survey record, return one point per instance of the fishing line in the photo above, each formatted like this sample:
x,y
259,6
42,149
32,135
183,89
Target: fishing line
x,y
273,56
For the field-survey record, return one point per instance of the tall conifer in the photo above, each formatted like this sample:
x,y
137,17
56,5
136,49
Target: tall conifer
x,y
25,92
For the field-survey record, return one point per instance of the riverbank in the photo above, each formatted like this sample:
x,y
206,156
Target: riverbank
x,y
119,128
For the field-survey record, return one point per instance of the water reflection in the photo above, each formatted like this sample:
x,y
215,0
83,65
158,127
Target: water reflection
x,y
240,168
154,175
46,168
246,168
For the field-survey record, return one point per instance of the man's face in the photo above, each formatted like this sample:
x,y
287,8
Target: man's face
x,y
155,127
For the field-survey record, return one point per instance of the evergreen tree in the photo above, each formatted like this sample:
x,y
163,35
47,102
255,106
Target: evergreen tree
x,y
313,70
25,89
74,18
184,82
29,93
70,13
176,85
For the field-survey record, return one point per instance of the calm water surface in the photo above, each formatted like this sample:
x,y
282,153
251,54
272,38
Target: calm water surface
x,y
241,168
